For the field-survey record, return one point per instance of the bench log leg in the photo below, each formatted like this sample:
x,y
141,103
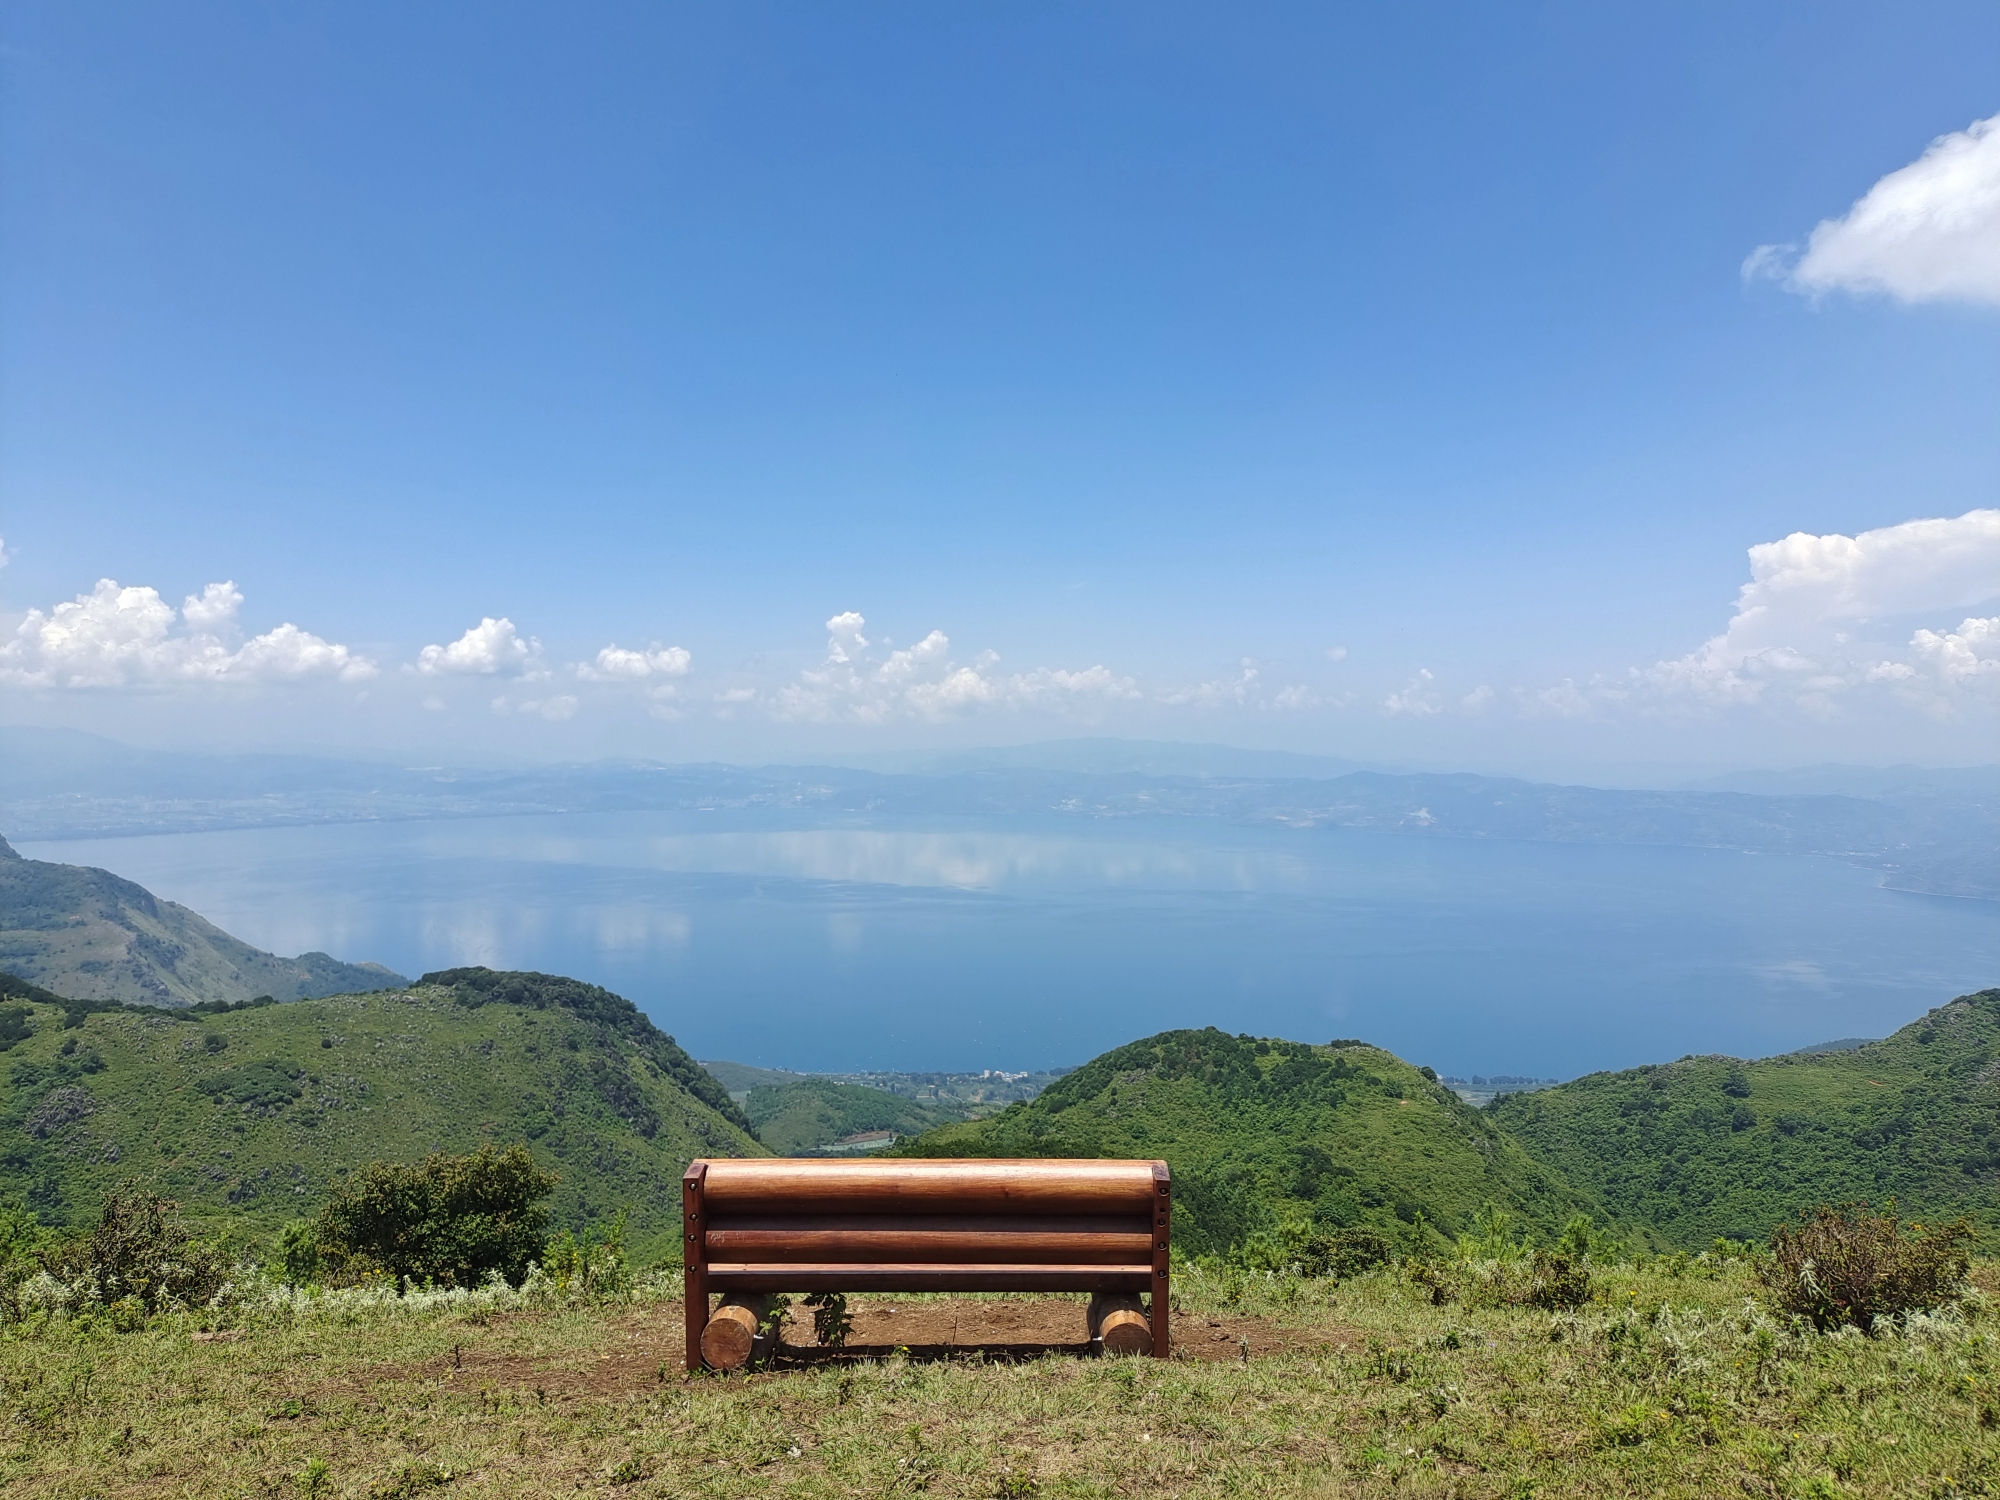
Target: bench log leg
x,y
736,1334
1118,1322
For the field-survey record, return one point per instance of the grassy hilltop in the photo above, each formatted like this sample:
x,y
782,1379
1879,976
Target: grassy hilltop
x,y
1258,1131
1672,1383
248,1117
1713,1146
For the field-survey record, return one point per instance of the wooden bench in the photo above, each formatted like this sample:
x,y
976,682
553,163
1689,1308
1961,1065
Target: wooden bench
x,y
929,1225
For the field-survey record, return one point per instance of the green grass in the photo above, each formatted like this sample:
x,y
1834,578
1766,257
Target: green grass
x,y
1672,1383
1713,1146
249,1118
1260,1131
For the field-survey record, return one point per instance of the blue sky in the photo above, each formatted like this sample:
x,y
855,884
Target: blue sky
x,y
1372,381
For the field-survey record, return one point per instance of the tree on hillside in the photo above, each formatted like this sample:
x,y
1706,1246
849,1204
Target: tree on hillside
x,y
444,1221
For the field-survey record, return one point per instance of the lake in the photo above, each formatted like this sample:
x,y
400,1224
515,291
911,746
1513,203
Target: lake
x,y
1018,942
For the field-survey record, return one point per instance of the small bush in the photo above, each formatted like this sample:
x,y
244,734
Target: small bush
x,y
296,1256
1583,1240
139,1251
1850,1266
1340,1253
1550,1279
1555,1281
445,1221
832,1322
592,1262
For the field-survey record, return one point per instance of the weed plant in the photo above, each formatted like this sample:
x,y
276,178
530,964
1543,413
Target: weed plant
x,y
1850,1266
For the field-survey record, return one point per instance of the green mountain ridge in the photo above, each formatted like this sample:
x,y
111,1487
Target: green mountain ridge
x,y
1259,1131
87,934
1710,1146
250,1116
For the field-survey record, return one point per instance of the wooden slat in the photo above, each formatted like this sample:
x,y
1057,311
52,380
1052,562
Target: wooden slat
x,y
925,1277
721,1221
953,1185
1095,1239
943,1245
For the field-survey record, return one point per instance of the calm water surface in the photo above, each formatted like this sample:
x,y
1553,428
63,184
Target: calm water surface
x,y
973,943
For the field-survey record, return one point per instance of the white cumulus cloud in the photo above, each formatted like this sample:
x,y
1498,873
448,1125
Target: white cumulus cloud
x,y
617,664
1810,622
555,709
924,681
1966,655
1927,232
1242,689
123,637
561,706
490,648
1417,698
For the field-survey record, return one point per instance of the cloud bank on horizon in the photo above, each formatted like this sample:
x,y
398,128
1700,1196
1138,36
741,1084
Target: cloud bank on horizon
x,y
1874,624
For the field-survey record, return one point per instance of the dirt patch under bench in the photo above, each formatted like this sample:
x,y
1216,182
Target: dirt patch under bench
x,y
642,1351
1021,1328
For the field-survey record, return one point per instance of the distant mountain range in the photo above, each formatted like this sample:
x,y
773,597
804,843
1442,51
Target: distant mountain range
x,y
1934,832
89,935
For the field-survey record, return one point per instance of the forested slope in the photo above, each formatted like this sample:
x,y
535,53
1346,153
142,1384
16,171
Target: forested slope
x,y
253,1114
1713,1146
1259,1130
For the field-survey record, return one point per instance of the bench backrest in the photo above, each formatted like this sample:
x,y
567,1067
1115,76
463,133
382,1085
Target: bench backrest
x,y
792,1225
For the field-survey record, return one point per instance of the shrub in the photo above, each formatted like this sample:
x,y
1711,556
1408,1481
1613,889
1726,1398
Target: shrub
x,y
1553,1280
139,1250
1850,1266
1340,1253
296,1256
444,1221
21,1235
1583,1240
832,1322
1556,1281
592,1262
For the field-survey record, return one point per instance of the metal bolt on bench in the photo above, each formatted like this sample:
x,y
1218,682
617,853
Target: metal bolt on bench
x,y
926,1225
